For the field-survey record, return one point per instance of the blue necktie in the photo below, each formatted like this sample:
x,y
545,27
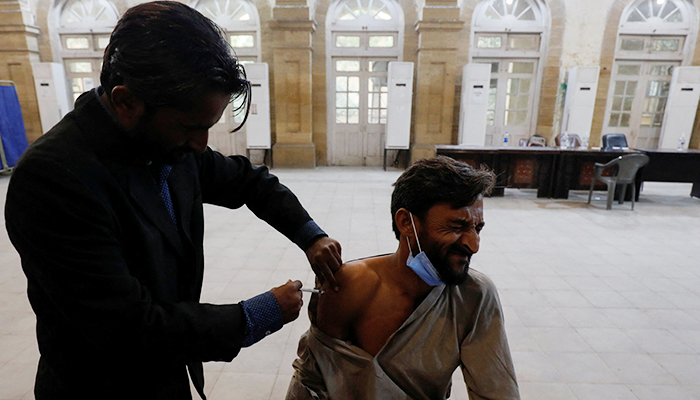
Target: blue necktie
x,y
163,172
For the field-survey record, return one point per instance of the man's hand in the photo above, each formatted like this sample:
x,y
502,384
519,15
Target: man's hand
x,y
324,257
289,298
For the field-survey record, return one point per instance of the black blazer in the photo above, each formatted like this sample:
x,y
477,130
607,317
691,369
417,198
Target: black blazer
x,y
115,285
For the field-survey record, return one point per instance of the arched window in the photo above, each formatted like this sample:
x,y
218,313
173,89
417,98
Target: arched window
x,y
654,37
509,15
511,35
363,36
359,13
84,28
240,20
656,14
90,13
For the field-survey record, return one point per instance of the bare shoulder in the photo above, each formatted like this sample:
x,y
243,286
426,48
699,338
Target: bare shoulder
x,y
359,282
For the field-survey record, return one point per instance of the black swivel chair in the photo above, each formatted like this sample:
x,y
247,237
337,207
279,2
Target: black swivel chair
x,y
614,141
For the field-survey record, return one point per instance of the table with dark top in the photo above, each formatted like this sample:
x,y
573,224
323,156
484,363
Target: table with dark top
x,y
554,171
515,167
671,166
575,167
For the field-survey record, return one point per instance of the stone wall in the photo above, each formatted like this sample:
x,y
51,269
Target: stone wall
x,y
437,35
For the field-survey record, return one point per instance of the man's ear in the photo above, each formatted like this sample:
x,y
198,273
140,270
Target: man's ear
x,y
403,222
127,106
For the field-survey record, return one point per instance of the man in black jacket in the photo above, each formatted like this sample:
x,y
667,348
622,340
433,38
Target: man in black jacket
x,y
106,213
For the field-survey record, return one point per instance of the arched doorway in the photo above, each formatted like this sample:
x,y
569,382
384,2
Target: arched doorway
x,y
654,36
84,27
363,36
240,20
512,36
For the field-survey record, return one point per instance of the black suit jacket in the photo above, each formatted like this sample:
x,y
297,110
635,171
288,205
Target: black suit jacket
x,y
115,285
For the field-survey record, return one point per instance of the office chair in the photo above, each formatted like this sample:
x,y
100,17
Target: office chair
x,y
614,141
537,141
574,140
627,167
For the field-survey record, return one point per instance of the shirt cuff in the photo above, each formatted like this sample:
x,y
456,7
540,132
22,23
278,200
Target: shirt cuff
x,y
306,233
263,317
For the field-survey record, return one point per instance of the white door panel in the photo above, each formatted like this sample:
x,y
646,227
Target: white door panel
x,y
511,99
359,112
637,100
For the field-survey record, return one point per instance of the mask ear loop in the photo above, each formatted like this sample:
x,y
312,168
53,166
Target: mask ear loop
x,y
415,233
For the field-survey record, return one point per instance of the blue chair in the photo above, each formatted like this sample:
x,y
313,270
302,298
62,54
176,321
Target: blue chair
x,y
614,141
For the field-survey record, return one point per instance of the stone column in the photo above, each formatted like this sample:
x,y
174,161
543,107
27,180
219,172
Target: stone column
x,y
438,36
291,68
19,48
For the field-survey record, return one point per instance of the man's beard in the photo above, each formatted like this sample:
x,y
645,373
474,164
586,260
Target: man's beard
x,y
153,149
173,156
448,275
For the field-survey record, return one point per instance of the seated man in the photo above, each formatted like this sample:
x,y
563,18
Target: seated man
x,y
402,323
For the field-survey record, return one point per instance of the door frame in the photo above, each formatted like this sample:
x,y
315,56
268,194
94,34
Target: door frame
x,y
532,106
335,27
634,129
495,28
363,126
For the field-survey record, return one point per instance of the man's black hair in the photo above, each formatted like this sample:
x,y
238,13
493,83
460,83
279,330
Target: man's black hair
x,y
437,180
167,53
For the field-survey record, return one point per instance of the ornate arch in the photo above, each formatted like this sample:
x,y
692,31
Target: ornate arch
x,y
88,14
659,16
511,15
372,14
232,15
321,14
555,20
240,20
622,10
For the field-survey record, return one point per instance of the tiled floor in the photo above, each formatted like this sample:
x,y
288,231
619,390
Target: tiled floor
x,y
599,304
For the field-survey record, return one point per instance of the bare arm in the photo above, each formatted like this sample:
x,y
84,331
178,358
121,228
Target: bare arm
x,y
338,311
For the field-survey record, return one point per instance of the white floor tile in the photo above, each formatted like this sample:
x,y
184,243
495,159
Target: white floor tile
x,y
535,367
559,340
598,391
596,307
657,341
638,368
546,391
656,392
609,340
582,368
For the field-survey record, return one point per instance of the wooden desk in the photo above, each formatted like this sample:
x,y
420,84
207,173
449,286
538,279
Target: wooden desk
x,y
574,169
515,167
555,171
671,166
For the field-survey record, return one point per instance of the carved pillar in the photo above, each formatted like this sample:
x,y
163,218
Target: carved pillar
x,y
291,29
19,48
438,37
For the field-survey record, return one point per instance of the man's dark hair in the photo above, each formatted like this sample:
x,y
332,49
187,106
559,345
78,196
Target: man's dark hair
x,y
166,53
440,179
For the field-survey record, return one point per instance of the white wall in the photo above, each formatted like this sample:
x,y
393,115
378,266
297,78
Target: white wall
x,y
583,32
583,40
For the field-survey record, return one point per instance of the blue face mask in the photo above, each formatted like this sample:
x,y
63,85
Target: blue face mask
x,y
420,264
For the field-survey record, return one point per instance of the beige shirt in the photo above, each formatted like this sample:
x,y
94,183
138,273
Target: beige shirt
x,y
455,326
